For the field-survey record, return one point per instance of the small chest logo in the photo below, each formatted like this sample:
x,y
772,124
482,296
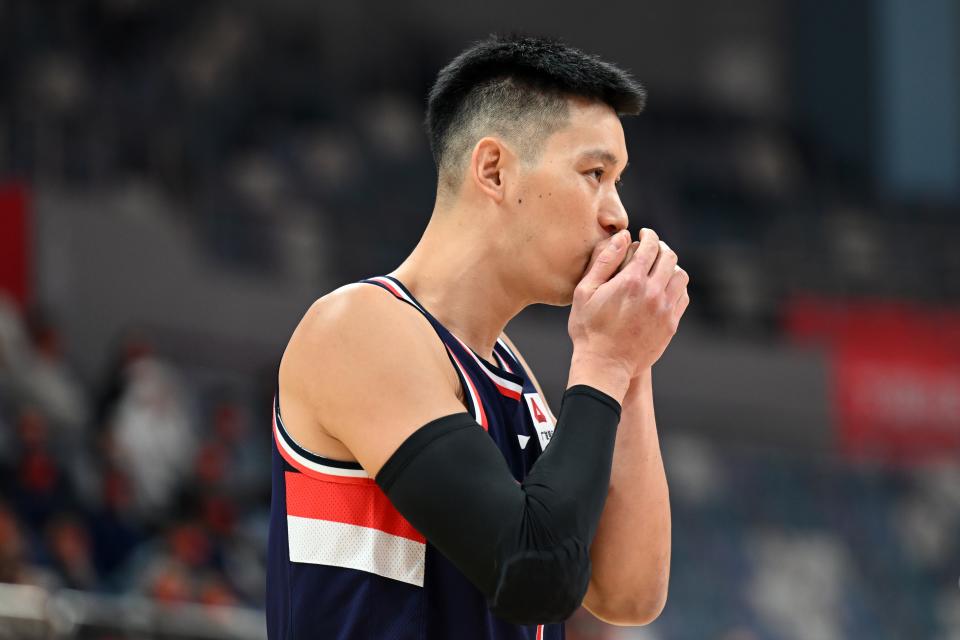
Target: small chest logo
x,y
541,418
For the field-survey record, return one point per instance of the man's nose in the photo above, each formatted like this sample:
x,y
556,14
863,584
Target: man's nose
x,y
613,216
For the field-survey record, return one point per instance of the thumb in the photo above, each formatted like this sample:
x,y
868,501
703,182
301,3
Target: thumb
x,y
605,261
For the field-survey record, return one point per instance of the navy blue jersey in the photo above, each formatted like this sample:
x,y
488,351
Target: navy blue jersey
x,y
343,564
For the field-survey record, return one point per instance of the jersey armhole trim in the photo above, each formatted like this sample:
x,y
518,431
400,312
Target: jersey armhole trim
x,y
305,458
471,396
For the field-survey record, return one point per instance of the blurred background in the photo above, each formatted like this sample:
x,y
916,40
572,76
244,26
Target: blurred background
x,y
180,180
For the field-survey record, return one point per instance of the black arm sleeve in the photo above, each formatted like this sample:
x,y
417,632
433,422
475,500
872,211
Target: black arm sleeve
x,y
525,546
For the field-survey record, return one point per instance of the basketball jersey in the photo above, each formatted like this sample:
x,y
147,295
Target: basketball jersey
x,y
343,564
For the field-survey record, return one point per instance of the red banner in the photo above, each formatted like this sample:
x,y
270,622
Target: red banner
x,y
896,375
14,243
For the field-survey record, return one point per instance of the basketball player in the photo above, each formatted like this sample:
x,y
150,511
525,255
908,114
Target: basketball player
x,y
422,488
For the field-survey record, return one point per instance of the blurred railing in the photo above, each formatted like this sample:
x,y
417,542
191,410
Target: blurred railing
x,y
28,612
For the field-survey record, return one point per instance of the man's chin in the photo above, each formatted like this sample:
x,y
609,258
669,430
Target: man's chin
x,y
562,297
559,302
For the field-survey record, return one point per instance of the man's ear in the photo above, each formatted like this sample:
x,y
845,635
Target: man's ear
x,y
487,167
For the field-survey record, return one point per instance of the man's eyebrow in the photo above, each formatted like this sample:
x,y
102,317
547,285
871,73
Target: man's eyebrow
x,y
603,156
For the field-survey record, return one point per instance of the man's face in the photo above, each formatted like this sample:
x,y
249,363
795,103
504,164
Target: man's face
x,y
568,202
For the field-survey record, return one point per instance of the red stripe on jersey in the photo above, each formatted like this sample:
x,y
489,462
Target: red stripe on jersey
x,y
389,285
361,505
510,393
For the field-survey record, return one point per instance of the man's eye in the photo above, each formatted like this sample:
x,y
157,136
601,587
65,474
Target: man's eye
x,y
618,182
597,173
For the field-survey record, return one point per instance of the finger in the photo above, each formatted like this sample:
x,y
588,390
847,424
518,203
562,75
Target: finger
x,y
677,285
663,267
631,250
662,252
606,262
646,251
681,305
597,250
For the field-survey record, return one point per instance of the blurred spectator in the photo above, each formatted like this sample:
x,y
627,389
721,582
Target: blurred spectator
x,y
32,363
14,344
191,546
168,582
154,434
114,525
69,544
239,456
182,566
15,552
40,486
51,382
213,590
132,346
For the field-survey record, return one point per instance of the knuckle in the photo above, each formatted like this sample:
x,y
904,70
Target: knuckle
x,y
634,286
652,300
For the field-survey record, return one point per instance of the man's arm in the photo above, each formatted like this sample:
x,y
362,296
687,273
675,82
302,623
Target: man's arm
x,y
364,372
631,552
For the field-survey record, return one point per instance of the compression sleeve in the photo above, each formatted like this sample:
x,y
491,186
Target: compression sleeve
x,y
524,545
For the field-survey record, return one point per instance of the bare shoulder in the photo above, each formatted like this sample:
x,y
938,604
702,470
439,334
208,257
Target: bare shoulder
x,y
349,319
533,377
360,367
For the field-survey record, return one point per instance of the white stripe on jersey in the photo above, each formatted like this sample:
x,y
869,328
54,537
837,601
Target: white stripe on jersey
x,y
502,361
338,544
393,286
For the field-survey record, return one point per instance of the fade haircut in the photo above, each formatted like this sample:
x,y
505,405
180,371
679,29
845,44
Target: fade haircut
x,y
516,87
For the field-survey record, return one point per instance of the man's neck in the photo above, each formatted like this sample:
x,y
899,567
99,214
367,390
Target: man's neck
x,y
458,273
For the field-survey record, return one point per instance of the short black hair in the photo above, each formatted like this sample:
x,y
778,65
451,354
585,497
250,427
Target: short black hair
x,y
506,80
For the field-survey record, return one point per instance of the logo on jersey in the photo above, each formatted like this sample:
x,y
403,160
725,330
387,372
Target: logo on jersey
x,y
541,418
